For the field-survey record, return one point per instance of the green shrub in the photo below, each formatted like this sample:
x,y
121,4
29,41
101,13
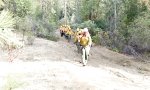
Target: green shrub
x,y
6,19
140,33
7,38
30,40
96,39
87,24
21,8
52,37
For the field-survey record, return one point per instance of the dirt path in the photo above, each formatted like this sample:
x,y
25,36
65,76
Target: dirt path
x,y
49,65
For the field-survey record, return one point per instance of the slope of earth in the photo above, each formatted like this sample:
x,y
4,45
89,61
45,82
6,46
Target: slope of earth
x,y
48,65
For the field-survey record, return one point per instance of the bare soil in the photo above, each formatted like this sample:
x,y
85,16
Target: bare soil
x,y
48,65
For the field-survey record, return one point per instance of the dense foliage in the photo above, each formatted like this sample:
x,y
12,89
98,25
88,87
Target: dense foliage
x,y
116,24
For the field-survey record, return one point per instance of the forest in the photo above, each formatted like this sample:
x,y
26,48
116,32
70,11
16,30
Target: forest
x,y
120,25
34,56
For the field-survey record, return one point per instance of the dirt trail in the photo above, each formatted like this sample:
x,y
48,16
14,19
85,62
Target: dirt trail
x,y
49,65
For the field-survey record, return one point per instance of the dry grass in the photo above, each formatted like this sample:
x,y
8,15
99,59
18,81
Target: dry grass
x,y
8,39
